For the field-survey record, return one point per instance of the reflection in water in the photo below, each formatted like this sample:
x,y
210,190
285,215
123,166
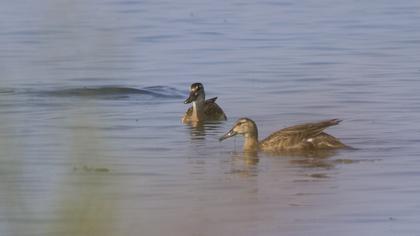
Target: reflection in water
x,y
311,162
244,163
199,130
317,159
310,159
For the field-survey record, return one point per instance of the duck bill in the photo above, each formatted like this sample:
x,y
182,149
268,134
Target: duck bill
x,y
229,134
191,98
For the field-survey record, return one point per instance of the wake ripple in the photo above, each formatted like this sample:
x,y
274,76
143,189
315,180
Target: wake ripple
x,y
117,92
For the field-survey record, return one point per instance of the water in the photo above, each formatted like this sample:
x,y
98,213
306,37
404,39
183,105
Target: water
x,y
91,100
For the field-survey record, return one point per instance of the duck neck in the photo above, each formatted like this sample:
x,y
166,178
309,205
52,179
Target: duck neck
x,y
251,142
198,110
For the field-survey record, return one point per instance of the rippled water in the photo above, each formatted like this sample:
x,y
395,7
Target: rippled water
x,y
91,100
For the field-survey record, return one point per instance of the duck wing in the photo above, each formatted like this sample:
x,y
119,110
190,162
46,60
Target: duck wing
x,y
214,111
296,137
209,106
211,110
211,100
326,141
309,130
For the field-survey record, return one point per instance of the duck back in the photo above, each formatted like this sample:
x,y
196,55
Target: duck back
x,y
212,111
302,137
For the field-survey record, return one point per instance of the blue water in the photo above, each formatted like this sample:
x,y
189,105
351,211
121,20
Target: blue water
x,y
91,139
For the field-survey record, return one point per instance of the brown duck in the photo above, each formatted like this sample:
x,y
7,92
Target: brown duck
x,y
298,138
202,109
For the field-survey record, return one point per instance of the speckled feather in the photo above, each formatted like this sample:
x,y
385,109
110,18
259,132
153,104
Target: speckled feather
x,y
302,137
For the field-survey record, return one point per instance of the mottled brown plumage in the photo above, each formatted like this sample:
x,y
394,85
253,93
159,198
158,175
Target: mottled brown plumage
x,y
202,110
298,138
212,111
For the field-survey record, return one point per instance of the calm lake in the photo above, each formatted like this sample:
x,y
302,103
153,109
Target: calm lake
x,y
91,100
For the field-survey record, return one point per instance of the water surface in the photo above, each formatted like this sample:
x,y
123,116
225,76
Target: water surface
x,y
91,99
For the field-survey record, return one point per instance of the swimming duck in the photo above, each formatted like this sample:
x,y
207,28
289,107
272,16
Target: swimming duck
x,y
298,138
202,109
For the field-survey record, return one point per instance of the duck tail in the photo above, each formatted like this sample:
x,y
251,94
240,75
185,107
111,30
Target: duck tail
x,y
326,123
332,122
317,128
211,100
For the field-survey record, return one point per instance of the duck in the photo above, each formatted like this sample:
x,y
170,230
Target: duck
x,y
202,109
298,138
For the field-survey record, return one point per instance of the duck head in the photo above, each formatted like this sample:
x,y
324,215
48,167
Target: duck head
x,y
196,93
243,126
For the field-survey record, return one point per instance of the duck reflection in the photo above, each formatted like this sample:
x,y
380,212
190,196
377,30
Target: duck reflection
x,y
199,130
309,159
315,159
250,158
316,165
244,164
